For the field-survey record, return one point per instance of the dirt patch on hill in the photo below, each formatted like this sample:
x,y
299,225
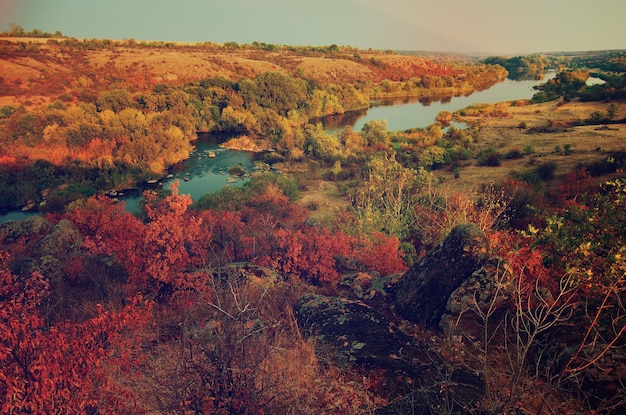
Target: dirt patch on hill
x,y
333,70
323,199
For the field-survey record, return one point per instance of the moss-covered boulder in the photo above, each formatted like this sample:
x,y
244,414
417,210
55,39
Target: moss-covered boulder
x,y
364,337
24,231
481,294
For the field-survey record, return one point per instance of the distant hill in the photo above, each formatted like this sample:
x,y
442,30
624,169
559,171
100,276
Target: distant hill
x,y
39,70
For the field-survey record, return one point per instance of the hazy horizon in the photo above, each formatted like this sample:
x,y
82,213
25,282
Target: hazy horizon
x,y
486,27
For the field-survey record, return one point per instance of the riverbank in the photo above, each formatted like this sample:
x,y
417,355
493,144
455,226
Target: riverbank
x,y
246,143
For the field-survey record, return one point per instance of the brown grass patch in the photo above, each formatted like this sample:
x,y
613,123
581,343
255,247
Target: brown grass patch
x,y
588,143
322,198
333,70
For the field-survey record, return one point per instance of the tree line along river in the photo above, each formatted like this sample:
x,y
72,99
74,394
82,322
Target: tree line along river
x,y
206,170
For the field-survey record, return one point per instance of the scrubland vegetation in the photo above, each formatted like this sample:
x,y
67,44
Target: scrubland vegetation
x,y
198,307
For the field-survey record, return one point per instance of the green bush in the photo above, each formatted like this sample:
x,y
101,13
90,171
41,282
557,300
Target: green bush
x,y
513,154
6,111
489,157
546,171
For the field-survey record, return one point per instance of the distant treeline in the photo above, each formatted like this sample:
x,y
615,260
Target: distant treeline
x,y
18,31
608,61
527,67
573,84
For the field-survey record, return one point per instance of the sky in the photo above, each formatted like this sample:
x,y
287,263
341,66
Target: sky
x,y
492,27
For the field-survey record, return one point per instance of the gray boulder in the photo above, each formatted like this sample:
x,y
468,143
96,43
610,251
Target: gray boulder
x,y
26,230
362,336
478,295
63,241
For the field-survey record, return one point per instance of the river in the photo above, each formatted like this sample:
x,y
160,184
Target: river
x,y
206,169
403,114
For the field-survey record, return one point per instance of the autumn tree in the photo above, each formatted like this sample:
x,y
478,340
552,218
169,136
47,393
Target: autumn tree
x,y
274,90
155,252
115,100
58,367
320,144
376,134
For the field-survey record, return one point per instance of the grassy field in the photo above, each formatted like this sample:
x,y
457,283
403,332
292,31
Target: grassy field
x,y
586,144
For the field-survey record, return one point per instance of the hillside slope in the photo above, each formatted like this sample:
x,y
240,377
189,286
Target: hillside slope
x,y
37,71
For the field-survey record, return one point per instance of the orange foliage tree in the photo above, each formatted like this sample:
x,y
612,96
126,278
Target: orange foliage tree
x,y
58,368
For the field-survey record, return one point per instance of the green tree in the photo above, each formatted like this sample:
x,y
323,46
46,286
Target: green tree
x,y
432,157
611,111
274,90
384,202
115,100
375,133
16,30
321,144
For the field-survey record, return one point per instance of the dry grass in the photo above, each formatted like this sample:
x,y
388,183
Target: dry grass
x,y
589,143
333,70
323,199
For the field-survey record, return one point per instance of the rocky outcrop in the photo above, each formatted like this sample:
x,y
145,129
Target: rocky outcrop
x,y
422,292
363,336
63,241
24,231
48,245
479,294
359,333
365,325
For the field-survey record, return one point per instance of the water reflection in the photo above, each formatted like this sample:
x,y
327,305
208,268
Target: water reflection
x,y
406,113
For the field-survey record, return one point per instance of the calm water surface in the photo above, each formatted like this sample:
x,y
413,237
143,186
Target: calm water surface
x,y
404,114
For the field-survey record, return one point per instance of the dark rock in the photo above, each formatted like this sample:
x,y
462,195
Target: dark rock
x,y
359,333
47,246
466,387
422,292
369,287
363,336
63,241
